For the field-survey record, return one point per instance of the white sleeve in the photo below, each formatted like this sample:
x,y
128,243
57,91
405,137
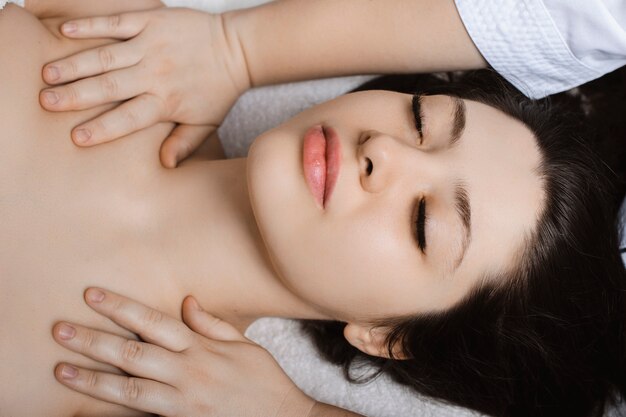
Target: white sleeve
x,y
213,6
547,46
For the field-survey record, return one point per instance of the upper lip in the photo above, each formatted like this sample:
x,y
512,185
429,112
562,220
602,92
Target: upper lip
x,y
333,161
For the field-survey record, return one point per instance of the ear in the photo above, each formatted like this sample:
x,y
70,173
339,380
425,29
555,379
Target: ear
x,y
371,341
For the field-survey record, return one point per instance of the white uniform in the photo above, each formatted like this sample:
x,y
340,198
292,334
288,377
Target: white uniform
x,y
547,46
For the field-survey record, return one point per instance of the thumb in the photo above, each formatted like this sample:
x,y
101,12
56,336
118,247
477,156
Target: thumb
x,y
207,324
182,142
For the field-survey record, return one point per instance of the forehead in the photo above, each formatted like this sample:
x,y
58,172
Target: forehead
x,y
500,159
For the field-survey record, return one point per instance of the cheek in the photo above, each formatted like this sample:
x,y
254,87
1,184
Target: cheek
x,y
350,268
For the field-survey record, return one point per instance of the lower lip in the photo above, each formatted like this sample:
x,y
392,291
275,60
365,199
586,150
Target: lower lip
x,y
321,161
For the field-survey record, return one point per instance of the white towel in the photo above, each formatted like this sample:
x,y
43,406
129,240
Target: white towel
x,y
325,382
5,2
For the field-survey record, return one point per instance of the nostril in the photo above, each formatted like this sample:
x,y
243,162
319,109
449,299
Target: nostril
x,y
370,166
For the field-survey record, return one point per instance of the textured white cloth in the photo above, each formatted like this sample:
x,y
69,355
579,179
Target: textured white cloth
x,y
5,2
547,46
214,6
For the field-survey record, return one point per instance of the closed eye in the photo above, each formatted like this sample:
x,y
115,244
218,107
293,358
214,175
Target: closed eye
x,y
420,222
418,116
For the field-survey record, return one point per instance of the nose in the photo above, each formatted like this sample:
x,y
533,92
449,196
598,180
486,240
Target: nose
x,y
385,161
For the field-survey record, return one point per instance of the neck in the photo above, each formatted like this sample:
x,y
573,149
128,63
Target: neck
x,y
213,247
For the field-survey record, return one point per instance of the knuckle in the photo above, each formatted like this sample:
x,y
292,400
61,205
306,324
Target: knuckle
x,y
153,317
91,380
109,87
106,58
90,339
130,390
132,351
132,124
72,67
72,94
113,22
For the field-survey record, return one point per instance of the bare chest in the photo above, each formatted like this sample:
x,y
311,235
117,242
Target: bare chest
x,y
69,218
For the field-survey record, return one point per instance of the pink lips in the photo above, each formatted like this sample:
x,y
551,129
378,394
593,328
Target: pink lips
x,y
321,159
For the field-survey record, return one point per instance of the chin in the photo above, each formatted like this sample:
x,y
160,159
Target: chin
x,y
279,196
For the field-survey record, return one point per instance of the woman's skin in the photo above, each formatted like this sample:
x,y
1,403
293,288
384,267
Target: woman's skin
x,y
244,236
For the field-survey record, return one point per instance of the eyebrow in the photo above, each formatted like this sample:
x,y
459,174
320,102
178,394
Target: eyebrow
x,y
461,196
458,122
463,209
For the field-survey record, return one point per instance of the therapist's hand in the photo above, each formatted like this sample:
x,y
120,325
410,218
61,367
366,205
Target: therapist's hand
x,y
208,370
175,65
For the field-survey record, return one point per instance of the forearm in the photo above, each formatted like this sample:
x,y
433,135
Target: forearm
x,y
290,40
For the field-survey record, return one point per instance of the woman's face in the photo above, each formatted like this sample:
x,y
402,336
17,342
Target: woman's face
x,y
414,221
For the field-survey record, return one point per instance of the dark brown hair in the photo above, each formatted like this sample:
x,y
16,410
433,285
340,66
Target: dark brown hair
x,y
549,338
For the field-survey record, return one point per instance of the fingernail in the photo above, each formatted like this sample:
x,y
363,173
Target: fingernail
x,y
52,73
66,332
82,136
69,372
95,295
69,27
51,97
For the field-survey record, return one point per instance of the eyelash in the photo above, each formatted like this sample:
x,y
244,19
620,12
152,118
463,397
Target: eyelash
x,y
420,221
417,114
420,212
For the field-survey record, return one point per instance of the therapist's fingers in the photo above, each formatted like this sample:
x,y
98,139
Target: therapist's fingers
x,y
136,393
152,325
118,26
140,359
84,94
133,115
208,325
182,142
92,62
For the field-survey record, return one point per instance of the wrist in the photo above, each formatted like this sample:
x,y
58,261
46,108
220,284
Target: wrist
x,y
236,60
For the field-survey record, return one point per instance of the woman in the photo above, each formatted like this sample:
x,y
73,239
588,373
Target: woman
x,y
431,214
